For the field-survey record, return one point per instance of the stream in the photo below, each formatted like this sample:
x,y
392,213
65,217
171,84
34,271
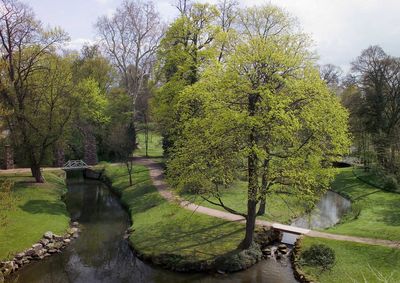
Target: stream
x,y
100,254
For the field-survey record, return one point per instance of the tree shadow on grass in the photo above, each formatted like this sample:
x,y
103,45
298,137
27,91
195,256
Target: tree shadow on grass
x,y
44,207
391,213
206,239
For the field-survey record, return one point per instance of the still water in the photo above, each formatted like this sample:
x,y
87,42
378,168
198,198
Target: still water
x,y
100,254
328,211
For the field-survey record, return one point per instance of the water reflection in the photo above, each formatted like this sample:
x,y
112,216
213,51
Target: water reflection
x,y
101,255
328,212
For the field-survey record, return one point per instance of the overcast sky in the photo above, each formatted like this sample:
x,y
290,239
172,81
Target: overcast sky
x,y
339,28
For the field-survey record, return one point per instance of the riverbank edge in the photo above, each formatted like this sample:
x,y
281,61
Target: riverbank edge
x,y
179,263
40,249
299,274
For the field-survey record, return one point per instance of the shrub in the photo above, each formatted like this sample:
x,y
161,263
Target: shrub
x,y
319,256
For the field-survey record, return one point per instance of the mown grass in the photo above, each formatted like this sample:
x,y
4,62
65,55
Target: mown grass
x,y
155,149
161,227
379,210
38,208
280,208
356,263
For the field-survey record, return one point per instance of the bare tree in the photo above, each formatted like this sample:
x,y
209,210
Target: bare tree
x,y
184,6
26,50
331,74
228,14
130,38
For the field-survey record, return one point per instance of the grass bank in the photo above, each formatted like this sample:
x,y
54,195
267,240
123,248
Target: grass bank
x,y
166,233
38,208
379,211
356,263
280,208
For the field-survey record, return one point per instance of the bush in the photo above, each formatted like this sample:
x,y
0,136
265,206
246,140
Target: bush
x,y
319,256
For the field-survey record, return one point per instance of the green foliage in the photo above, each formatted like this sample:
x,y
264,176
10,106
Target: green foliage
x,y
298,123
319,256
239,259
185,49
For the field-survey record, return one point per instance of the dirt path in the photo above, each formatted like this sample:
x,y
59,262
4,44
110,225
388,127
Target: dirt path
x,y
157,177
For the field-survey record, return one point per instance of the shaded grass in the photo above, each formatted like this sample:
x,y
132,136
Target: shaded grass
x,y
356,262
165,228
38,209
280,208
380,210
155,149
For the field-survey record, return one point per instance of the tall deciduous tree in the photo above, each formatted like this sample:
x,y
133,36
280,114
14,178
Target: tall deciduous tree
x,y
35,83
265,111
378,78
130,38
186,48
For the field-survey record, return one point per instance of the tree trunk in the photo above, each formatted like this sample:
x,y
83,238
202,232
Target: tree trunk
x,y
37,173
251,202
252,191
146,137
264,188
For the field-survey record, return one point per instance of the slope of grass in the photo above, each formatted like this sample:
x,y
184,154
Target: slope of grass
x,y
38,208
380,210
280,208
155,145
356,263
163,228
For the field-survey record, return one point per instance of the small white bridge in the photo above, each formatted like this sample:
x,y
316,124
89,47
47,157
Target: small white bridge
x,y
75,165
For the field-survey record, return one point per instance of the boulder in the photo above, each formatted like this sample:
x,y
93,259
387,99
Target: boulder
x,y
44,242
30,252
19,255
282,247
37,247
52,251
67,241
7,267
267,251
48,235
72,230
75,224
58,238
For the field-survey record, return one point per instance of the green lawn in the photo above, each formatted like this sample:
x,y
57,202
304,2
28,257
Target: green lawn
x,y
280,208
165,228
357,263
380,210
38,209
155,145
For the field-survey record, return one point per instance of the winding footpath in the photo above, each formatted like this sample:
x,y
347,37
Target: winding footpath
x,y
157,177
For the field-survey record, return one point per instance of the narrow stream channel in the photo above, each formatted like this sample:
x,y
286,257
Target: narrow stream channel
x,y
101,254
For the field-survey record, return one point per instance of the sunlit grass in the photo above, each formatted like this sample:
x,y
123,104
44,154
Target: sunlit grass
x,y
357,263
165,228
38,208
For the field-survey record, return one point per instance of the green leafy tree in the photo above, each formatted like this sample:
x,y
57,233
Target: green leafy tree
x,y
264,111
35,82
186,47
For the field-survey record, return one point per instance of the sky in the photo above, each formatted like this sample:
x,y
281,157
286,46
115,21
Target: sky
x,y
340,29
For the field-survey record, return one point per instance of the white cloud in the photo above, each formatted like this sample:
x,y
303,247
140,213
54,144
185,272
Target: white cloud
x,y
78,43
